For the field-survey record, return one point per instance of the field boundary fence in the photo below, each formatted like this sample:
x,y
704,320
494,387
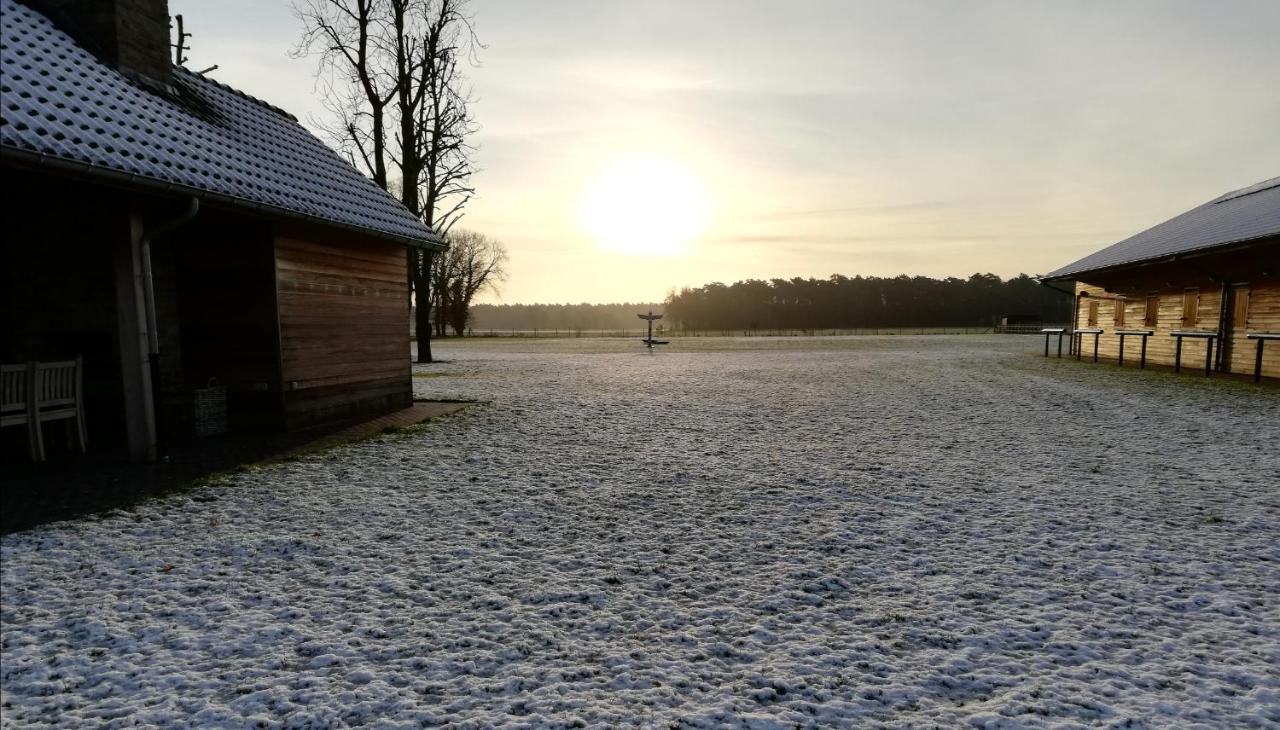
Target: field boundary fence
x,y
680,332
1026,329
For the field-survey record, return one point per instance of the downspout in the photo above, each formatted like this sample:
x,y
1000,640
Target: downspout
x,y
149,300
1075,320
1222,310
1222,327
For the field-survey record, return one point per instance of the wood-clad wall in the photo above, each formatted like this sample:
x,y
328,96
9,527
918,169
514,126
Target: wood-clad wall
x,y
1262,314
344,329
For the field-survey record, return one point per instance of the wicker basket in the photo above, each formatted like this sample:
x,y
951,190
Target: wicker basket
x,y
210,409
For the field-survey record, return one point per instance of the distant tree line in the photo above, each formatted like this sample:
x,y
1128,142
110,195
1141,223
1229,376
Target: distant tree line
x,y
837,302
563,317
842,302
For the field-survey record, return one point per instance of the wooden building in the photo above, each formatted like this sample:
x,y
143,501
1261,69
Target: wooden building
x,y
176,233
1212,272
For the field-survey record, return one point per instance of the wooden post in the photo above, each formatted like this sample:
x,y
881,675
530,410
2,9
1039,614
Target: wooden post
x,y
1142,362
1177,355
131,328
1257,363
1120,360
1208,356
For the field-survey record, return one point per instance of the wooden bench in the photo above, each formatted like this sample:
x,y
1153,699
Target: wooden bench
x,y
1205,335
35,393
1262,338
1144,334
17,402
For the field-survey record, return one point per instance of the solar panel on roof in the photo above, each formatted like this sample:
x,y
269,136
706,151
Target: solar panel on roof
x,y
1256,188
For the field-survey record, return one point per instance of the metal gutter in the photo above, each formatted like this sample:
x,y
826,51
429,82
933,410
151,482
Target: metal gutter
x,y
133,180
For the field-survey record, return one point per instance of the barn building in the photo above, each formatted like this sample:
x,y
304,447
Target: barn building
x,y
1209,277
182,238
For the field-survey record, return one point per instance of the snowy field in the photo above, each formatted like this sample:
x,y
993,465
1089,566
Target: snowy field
x,y
897,531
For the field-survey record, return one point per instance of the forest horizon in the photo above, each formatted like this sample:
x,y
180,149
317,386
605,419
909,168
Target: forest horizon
x,y
835,302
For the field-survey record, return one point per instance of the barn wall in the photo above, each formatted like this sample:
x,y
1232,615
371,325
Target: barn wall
x,y
227,305
1169,283
344,328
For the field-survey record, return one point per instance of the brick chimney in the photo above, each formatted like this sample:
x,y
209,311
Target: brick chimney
x,y
132,35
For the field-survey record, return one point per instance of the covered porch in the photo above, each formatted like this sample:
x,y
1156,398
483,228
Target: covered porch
x,y
151,339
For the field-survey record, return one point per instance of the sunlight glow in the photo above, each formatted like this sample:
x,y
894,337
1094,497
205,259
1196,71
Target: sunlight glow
x,y
646,206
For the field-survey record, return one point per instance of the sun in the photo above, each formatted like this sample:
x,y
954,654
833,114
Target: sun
x,y
645,206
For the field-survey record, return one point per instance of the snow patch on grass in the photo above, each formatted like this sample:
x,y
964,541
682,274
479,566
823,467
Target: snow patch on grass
x,y
867,531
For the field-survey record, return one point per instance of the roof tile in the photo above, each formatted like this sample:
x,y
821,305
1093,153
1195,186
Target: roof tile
x,y
61,101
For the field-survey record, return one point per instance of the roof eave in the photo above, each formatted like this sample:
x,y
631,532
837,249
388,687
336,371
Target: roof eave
x,y
1194,253
75,168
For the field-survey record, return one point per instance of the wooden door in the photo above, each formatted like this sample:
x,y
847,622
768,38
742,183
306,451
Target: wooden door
x,y
1237,353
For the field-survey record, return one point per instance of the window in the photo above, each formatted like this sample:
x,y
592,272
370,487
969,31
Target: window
x,y
1093,313
1240,307
1152,313
1120,312
1190,307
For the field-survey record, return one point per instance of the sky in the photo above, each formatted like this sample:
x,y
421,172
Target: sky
x,y
628,148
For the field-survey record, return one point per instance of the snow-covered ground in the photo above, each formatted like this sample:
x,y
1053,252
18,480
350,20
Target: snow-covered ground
x,y
768,533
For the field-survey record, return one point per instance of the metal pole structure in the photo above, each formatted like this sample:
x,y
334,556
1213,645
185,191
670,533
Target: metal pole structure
x,y
649,342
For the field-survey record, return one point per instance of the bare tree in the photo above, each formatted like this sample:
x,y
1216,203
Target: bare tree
x,y
439,155
397,96
357,83
474,263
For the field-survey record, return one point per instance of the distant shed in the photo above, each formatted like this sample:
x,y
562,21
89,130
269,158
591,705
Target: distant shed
x,y
1212,270
175,232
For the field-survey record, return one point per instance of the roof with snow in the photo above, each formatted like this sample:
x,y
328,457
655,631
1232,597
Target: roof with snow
x,y
64,107
1239,216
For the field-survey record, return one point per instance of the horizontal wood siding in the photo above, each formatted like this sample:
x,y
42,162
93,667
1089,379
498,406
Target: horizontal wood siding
x,y
344,329
1263,316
